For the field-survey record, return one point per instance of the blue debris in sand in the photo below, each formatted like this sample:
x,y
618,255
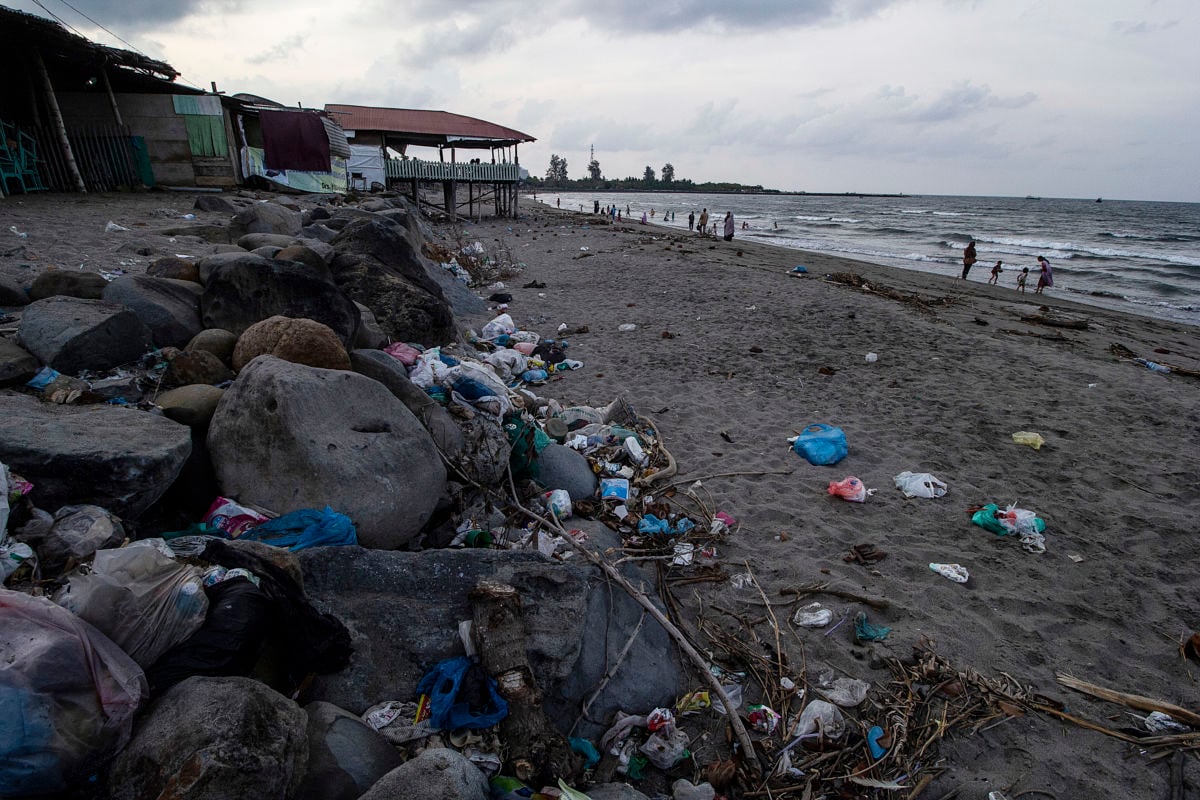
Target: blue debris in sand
x,y
866,632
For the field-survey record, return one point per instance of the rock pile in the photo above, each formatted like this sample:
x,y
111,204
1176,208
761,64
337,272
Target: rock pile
x,y
319,364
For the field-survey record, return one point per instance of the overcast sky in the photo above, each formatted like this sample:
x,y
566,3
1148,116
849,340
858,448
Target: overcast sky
x,y
1055,98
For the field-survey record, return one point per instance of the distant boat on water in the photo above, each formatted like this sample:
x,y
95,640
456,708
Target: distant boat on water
x,y
1099,199
1031,197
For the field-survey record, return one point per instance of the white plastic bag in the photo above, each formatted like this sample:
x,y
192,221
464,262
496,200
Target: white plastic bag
x,y
823,718
142,599
508,363
920,484
813,615
499,326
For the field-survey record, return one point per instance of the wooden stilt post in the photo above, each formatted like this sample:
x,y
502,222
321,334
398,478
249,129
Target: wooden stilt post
x,y
112,98
470,199
416,190
59,126
33,104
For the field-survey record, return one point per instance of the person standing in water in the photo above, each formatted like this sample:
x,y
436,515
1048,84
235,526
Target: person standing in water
x,y
691,220
968,258
1046,278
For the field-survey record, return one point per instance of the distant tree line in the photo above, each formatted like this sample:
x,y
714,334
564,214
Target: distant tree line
x,y
664,180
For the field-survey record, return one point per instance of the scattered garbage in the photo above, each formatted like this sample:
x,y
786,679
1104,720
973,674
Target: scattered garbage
x,y
459,693
821,444
799,270
850,488
1029,438
866,632
306,527
845,692
138,596
1154,366
813,615
1159,722
955,572
626,327
1027,525
70,695
920,484
18,233
558,503
874,738
113,227
763,718
822,720
872,358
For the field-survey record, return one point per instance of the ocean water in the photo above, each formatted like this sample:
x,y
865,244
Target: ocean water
x,y
1139,257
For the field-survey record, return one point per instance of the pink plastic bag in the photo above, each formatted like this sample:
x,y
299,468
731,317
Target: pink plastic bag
x,y
850,488
524,348
406,354
226,515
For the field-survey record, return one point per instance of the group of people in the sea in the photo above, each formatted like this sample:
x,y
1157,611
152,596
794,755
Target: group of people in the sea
x,y
1045,273
699,225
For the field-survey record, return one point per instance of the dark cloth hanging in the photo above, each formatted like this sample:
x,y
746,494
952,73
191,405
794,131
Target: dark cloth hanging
x,y
294,140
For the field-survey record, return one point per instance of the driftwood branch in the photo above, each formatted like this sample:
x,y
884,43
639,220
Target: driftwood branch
x,y
1177,713
735,722
823,588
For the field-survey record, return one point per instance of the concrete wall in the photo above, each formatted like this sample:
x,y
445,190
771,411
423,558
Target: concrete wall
x,y
153,117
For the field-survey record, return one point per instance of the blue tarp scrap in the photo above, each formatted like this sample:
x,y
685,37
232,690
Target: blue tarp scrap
x,y
305,528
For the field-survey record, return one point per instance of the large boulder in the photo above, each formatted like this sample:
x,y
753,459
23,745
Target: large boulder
x,y
207,265
264,218
577,624
174,267
113,457
88,285
217,203
170,308
12,293
379,266
73,334
440,773
379,366
345,755
192,405
301,341
253,241
214,739
17,365
240,294
563,468
187,367
288,436
217,341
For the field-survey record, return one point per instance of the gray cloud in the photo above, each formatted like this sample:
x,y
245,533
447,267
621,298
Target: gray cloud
x,y
956,103
481,26
285,48
135,15
1141,27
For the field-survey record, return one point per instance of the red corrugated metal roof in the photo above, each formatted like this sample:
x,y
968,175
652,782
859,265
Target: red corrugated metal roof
x,y
422,123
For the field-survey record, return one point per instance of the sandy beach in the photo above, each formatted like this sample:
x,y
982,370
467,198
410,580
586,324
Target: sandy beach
x,y
732,355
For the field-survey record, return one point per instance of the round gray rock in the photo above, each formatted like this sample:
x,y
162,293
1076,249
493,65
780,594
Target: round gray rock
x,y
564,468
217,341
287,436
89,285
437,774
192,405
170,308
345,756
214,739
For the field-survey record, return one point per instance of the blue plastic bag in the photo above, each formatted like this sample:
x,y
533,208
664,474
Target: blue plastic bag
x,y
446,711
821,444
305,528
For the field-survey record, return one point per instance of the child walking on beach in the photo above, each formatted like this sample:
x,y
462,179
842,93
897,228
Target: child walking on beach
x,y
996,270
1024,276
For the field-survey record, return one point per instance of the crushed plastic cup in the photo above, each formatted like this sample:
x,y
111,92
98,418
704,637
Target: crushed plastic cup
x,y
850,488
1029,438
955,572
558,502
813,615
635,452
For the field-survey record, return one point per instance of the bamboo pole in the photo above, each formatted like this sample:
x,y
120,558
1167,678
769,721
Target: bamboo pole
x,y
1137,701
59,126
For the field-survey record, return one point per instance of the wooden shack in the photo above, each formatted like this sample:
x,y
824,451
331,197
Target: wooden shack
x,y
81,116
381,140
